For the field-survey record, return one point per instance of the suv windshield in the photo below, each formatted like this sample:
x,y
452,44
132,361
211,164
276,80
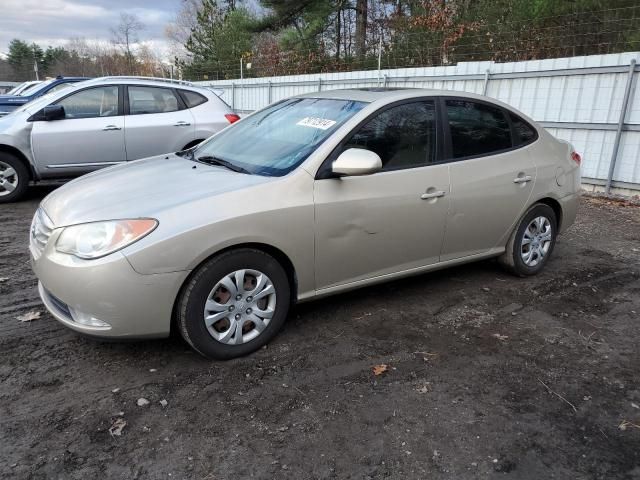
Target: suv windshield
x,y
277,139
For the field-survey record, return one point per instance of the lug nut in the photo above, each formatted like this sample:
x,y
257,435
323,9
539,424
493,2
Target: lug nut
x,y
238,316
249,311
238,297
232,308
249,298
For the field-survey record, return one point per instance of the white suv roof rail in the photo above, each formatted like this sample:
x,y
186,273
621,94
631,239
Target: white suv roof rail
x,y
154,79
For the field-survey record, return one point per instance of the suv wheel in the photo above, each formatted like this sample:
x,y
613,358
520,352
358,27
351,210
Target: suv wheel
x,y
532,242
234,304
14,178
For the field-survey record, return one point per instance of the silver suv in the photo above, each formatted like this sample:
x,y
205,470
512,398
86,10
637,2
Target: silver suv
x,y
101,122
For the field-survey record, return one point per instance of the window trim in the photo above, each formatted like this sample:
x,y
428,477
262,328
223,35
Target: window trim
x,y
324,171
448,146
39,115
127,107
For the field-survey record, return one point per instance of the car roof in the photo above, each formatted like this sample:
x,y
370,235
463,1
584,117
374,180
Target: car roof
x,y
374,94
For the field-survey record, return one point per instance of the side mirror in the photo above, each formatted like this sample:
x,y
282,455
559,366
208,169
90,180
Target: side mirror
x,y
356,161
53,112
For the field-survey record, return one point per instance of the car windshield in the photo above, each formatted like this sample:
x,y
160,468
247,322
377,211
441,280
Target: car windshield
x,y
277,139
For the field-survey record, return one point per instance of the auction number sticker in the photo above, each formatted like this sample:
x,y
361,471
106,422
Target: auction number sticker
x,y
315,122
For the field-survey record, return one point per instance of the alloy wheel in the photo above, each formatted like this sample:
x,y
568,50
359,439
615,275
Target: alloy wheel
x,y
8,179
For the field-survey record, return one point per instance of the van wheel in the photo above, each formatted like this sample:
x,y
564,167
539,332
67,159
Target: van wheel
x,y
532,242
234,304
14,178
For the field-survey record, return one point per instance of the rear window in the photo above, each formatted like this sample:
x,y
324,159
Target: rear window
x,y
192,99
523,132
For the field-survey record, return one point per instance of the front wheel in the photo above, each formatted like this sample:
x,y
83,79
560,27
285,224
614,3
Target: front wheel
x,y
532,242
234,304
14,178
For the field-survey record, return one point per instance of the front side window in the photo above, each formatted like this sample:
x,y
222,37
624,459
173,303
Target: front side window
x,y
403,136
143,100
476,128
92,102
277,139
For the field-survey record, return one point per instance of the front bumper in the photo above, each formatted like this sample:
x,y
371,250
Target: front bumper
x,y
128,304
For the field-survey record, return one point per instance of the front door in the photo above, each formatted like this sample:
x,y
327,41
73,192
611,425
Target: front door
x,y
491,181
389,221
90,136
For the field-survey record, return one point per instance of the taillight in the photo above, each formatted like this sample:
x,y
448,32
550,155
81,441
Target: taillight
x,y
575,156
232,117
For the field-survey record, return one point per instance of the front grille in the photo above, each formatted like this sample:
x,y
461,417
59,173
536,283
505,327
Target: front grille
x,y
41,228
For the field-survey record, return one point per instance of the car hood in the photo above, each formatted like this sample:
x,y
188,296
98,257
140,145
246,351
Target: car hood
x,y
143,188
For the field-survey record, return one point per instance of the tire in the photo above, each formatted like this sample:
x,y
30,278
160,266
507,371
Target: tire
x,y
14,178
542,239
210,293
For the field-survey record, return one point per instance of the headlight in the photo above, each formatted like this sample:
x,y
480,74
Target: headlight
x,y
95,240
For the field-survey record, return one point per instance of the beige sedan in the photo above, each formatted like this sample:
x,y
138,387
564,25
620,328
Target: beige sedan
x,y
311,196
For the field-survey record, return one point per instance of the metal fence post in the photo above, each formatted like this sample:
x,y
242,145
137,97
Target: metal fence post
x,y
233,96
269,92
486,82
320,84
623,114
386,79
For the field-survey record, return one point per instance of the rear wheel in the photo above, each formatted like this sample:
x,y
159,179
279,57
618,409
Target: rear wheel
x,y
234,304
14,178
532,242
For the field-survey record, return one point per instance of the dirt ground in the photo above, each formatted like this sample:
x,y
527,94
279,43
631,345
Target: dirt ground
x,y
488,376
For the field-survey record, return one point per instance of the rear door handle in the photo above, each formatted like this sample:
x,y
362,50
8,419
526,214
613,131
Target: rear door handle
x,y
181,124
111,127
436,194
523,179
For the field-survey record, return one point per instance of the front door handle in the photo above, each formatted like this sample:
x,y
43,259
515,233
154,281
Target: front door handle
x,y
522,179
111,127
436,194
181,124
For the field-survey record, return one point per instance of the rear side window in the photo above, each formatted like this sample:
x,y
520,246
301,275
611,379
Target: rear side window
x,y
143,100
403,136
476,128
523,132
192,99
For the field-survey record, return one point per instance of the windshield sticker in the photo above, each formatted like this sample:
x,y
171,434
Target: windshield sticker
x,y
315,122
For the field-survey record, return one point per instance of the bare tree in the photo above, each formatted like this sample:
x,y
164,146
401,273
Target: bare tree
x,y
180,29
126,34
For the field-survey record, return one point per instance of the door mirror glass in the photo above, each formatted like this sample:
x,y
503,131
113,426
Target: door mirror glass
x,y
53,112
356,161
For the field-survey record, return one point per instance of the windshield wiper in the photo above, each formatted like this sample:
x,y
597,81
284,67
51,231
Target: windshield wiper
x,y
211,160
186,153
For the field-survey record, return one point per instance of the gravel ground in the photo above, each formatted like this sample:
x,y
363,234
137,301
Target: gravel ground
x,y
488,376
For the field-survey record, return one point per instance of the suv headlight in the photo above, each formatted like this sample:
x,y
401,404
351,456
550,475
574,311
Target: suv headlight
x,y
97,239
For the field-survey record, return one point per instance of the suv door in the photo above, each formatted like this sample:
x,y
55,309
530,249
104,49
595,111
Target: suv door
x,y
491,180
90,136
157,122
389,221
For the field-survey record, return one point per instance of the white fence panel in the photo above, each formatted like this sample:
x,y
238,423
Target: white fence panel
x,y
578,99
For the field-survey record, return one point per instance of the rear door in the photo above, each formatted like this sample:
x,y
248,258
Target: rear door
x,y
157,122
90,136
492,177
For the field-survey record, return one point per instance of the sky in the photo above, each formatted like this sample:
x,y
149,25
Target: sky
x,y
53,22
